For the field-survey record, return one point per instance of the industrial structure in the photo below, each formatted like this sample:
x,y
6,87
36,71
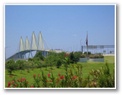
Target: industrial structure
x,y
103,49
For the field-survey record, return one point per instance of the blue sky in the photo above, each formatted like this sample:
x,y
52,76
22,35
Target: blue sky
x,y
62,26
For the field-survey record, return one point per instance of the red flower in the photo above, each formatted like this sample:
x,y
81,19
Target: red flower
x,y
74,77
48,75
23,79
9,84
62,77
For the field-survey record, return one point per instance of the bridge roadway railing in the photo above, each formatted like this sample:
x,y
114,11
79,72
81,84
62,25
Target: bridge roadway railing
x,y
21,55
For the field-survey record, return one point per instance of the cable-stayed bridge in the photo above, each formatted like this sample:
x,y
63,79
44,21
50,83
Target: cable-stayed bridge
x,y
26,48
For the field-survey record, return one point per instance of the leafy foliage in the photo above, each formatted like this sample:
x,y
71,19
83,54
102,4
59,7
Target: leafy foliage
x,y
54,59
102,77
71,77
39,55
74,57
11,66
20,64
96,78
96,56
59,63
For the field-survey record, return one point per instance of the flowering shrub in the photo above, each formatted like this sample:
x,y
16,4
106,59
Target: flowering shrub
x,y
96,78
22,82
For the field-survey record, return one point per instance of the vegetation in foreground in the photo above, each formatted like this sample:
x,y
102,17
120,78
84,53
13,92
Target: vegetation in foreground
x,y
58,70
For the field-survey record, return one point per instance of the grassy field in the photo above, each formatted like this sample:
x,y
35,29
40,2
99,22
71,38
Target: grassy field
x,y
87,67
109,59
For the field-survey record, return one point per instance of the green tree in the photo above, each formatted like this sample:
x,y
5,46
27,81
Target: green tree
x,y
59,63
21,65
88,53
54,59
71,57
11,66
37,63
77,55
39,55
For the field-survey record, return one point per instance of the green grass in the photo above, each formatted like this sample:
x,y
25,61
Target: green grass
x,y
109,59
87,67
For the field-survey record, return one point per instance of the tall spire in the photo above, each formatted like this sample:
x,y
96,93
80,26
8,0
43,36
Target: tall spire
x,y
21,45
33,42
40,42
87,43
27,44
87,39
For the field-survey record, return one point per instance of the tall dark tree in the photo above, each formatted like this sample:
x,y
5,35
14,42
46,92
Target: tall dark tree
x,y
39,55
72,57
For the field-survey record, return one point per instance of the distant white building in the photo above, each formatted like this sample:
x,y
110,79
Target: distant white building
x,y
57,50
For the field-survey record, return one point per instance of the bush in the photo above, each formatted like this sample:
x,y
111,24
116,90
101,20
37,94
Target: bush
x,y
88,53
96,78
53,58
37,63
102,77
59,63
11,66
21,64
96,56
106,79
82,56
39,55
74,57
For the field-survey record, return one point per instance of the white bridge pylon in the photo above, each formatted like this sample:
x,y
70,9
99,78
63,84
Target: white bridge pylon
x,y
40,42
27,44
21,45
35,44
